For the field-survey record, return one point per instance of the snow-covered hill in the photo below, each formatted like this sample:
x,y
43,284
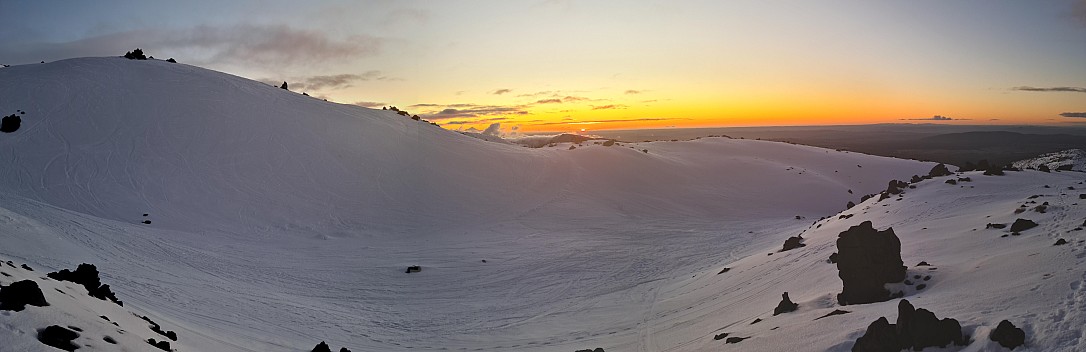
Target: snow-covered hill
x,y
278,220
1073,158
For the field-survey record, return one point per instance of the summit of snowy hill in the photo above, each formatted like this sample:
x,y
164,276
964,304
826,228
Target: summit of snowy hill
x,y
253,218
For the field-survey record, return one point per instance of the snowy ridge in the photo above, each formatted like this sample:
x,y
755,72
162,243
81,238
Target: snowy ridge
x,y
280,220
1076,158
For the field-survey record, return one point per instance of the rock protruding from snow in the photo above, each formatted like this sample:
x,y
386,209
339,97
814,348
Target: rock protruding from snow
x,y
785,306
867,259
916,329
58,337
87,275
793,243
1020,225
10,123
322,347
18,295
939,170
1008,335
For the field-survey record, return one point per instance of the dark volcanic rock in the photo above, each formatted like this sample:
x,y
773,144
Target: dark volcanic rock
x,y
10,123
951,182
18,295
916,329
58,337
995,226
785,306
1020,225
939,170
919,328
598,349
163,345
344,349
720,336
87,275
834,312
1043,168
724,270
413,269
881,336
793,243
1060,242
867,259
322,347
1008,335
735,339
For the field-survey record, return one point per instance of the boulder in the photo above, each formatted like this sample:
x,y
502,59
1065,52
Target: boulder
x,y
939,170
413,269
10,123
880,336
785,306
59,337
1008,335
919,328
1020,225
18,295
793,243
867,259
322,347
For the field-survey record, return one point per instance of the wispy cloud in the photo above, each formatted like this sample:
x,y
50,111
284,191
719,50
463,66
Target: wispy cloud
x,y
469,110
610,106
594,122
633,91
549,101
1051,89
501,91
935,118
369,104
1074,114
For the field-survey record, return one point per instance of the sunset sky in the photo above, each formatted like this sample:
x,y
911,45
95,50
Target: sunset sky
x,y
566,65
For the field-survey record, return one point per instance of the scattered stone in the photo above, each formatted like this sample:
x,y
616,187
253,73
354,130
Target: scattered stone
x,y
87,275
926,278
344,349
110,340
146,222
26,267
1041,208
1008,335
833,258
598,349
720,336
939,170
58,337
850,204
923,264
908,282
880,336
1060,242
952,182
413,269
868,259
995,226
1020,225
724,271
785,306
735,339
756,321
916,329
834,312
18,295
921,287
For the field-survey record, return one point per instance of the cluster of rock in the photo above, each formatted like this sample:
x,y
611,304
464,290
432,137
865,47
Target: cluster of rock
x,y
323,347
867,259
18,295
87,275
915,329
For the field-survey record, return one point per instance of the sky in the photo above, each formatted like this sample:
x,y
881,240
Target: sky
x,y
567,65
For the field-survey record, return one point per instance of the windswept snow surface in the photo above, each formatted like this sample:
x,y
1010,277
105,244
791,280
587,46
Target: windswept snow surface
x,y
279,220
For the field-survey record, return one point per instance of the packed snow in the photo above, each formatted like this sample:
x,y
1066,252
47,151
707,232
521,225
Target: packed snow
x,y
275,221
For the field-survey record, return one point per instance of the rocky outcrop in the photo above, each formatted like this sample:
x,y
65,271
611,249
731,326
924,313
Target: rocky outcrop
x,y
916,329
793,243
87,275
10,123
1008,335
867,259
322,347
18,295
785,306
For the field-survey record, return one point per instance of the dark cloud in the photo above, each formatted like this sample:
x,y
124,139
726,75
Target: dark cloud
x,y
536,94
369,104
501,91
471,110
934,118
549,101
339,81
607,107
570,98
1051,89
244,44
1074,114
632,91
423,105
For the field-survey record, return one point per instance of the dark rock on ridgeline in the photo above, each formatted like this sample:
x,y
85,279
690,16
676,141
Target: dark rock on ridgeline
x,y
1008,335
322,347
162,345
939,170
18,295
87,275
916,329
793,243
1042,168
867,259
849,205
1060,242
915,179
58,337
1020,225
158,329
894,187
785,306
951,182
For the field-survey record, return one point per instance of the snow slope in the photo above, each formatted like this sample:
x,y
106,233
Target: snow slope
x,y
1074,157
279,220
